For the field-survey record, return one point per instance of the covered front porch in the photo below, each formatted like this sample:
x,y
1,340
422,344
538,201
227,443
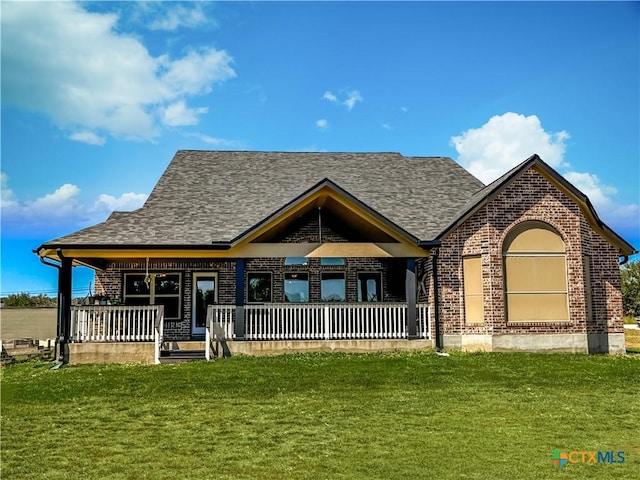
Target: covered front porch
x,y
101,333
324,268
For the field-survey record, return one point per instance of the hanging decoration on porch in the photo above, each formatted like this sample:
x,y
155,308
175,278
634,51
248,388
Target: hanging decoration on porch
x,y
147,277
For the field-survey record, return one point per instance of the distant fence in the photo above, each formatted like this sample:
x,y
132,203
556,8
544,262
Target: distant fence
x,y
35,323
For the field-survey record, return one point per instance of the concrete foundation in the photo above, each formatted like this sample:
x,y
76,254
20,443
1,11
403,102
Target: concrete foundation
x,y
113,352
307,346
468,343
612,343
143,352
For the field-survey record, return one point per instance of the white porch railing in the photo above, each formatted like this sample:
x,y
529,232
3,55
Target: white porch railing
x,y
110,323
286,321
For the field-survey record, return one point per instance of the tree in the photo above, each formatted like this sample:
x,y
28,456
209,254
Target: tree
x,y
26,300
631,288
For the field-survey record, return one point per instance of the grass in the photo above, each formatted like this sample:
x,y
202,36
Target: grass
x,y
468,416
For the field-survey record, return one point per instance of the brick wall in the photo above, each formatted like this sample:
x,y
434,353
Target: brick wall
x,y
529,197
307,229
110,281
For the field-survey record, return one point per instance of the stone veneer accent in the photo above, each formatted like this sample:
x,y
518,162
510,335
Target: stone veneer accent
x,y
529,197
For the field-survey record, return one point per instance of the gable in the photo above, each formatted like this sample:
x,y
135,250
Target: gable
x,y
326,223
345,214
535,165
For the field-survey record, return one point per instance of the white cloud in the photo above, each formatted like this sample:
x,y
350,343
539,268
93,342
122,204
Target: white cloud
x,y
196,72
353,98
218,142
386,126
505,141
330,96
124,203
61,196
591,186
178,114
61,208
322,123
602,198
49,209
349,101
88,137
180,16
7,197
77,68
404,109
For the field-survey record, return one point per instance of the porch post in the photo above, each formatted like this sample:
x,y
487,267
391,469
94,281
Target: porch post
x,y
239,325
410,287
64,307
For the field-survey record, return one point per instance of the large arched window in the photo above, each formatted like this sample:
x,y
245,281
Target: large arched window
x,y
535,270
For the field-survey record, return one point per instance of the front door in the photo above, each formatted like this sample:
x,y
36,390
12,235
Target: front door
x,y
204,293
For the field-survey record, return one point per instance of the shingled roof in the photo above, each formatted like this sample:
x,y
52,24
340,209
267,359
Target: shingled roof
x,y
207,197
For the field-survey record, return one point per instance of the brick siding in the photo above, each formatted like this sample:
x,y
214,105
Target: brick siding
x,y
529,197
109,282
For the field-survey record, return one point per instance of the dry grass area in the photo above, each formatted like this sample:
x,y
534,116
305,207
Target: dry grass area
x,y
632,340
38,323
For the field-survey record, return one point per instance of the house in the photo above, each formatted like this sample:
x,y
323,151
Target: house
x,y
267,252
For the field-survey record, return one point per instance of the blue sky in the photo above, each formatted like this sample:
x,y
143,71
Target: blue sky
x,y
98,96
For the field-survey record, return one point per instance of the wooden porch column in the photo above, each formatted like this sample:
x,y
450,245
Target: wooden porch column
x,y
64,307
239,325
410,288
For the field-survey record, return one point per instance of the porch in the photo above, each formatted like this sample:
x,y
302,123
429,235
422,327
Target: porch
x,y
136,333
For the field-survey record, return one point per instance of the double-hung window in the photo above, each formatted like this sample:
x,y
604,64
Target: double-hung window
x,y
154,289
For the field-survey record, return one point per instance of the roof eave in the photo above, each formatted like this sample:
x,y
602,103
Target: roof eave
x,y
159,246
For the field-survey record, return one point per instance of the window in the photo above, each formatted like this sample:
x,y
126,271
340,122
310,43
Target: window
x,y
369,287
295,261
327,261
535,274
332,287
296,287
259,287
159,289
473,308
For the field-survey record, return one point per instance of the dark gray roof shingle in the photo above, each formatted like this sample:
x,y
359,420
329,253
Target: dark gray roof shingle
x,y
215,196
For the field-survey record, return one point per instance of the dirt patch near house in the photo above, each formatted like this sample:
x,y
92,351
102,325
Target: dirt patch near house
x,y
35,323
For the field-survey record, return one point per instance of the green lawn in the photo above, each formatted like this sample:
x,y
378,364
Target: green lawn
x,y
319,416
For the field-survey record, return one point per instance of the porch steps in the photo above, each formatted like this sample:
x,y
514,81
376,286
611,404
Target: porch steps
x,y
182,351
179,356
